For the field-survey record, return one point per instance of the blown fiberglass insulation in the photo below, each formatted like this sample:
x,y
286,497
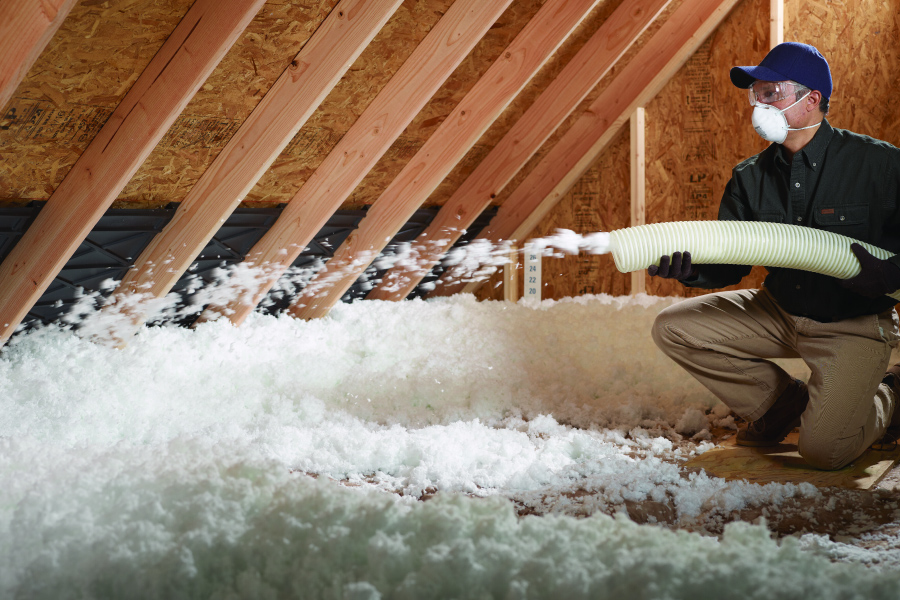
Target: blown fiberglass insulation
x,y
287,458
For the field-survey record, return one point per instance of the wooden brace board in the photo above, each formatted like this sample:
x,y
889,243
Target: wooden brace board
x,y
783,464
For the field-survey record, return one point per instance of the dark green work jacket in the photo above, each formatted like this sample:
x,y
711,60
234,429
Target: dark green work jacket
x,y
841,182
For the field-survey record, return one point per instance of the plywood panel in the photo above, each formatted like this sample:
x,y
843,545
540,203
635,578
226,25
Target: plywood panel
x,y
246,74
783,464
861,40
74,86
411,23
26,27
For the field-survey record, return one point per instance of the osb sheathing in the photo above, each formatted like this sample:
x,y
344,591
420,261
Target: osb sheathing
x,y
88,67
64,125
73,87
697,127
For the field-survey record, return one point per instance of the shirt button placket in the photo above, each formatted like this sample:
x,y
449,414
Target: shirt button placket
x,y
798,198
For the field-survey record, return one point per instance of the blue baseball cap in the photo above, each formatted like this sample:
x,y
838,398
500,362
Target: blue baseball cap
x,y
788,61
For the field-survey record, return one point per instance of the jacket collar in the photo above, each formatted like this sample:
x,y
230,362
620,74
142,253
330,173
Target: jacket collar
x,y
814,151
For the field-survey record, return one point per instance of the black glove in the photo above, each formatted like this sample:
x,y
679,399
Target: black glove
x,y
876,277
680,267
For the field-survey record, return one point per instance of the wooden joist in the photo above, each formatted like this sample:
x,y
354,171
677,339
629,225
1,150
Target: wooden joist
x,y
432,62
316,69
644,76
26,26
509,156
456,135
149,108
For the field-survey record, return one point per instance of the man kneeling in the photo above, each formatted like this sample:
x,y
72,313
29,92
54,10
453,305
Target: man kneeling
x,y
812,175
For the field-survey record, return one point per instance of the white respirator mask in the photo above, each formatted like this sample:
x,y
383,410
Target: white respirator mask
x,y
769,121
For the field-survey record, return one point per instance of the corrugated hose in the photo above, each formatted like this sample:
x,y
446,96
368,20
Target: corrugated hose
x,y
741,243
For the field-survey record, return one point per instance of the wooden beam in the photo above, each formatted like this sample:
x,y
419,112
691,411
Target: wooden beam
x,y
583,72
638,187
456,135
511,276
635,85
26,27
149,108
316,69
404,96
776,22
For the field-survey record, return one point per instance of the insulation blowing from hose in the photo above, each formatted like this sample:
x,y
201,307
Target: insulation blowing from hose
x,y
740,243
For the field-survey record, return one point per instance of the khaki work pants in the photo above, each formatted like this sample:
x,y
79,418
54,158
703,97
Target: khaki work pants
x,y
724,340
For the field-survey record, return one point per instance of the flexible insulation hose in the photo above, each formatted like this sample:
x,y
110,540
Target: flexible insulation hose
x,y
740,243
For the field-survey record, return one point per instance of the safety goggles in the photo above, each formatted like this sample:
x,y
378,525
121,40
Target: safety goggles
x,y
770,92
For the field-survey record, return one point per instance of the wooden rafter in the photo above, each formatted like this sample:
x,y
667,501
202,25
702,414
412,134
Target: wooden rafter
x,y
776,22
432,62
511,276
644,76
26,26
444,149
551,108
638,186
171,79
316,69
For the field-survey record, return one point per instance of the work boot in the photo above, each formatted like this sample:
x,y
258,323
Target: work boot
x,y
892,379
771,428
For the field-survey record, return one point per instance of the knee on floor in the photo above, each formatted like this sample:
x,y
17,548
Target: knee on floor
x,y
823,454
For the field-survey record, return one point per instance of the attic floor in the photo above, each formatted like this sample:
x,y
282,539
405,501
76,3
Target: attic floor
x,y
867,518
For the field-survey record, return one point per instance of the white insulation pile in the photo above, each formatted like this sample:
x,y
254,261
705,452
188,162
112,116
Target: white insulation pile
x,y
383,452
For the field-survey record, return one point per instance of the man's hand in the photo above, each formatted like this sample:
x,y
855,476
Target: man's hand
x,y
876,277
679,268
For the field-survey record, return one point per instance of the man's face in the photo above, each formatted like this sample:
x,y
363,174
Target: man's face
x,y
783,96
